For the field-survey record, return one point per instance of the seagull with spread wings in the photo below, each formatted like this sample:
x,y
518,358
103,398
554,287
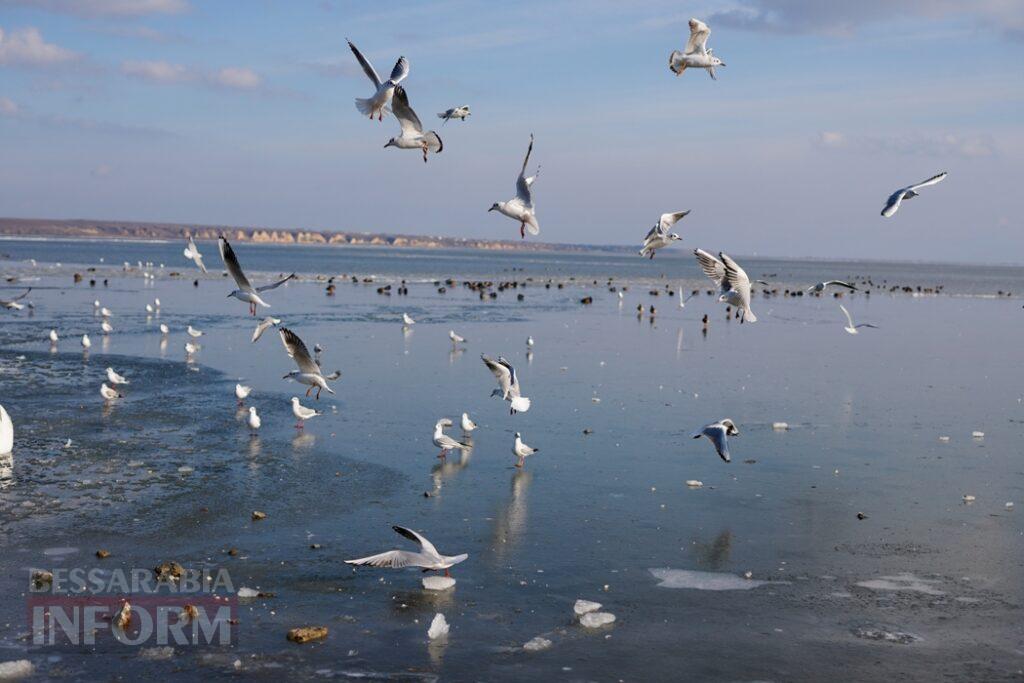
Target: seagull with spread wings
x,y
427,559
377,105
822,286
459,113
659,236
508,384
697,54
739,286
245,292
309,371
192,254
13,304
892,204
850,327
412,135
521,207
717,433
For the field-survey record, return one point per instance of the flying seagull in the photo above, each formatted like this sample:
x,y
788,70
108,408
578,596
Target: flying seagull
x,y
659,236
739,284
822,286
521,450
454,113
850,327
262,326
412,135
192,253
717,433
245,292
892,204
508,383
309,372
376,105
521,208
713,269
696,55
12,304
427,559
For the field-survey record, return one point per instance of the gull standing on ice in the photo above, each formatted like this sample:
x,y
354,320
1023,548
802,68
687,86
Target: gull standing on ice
x,y
53,336
309,372
86,342
108,393
245,292
659,236
696,55
522,451
242,392
892,204
412,135
521,207
192,253
12,304
115,378
445,442
193,332
508,382
427,559
262,326
717,433
454,113
376,105
106,326
456,338
739,284
822,286
467,424
407,319
254,420
106,312
850,327
164,330
302,413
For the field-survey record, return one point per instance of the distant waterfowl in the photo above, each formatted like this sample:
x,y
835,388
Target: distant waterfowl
x,y
309,372
108,393
892,204
454,113
302,413
86,342
412,135
456,338
696,54
718,433
106,312
53,336
191,348
193,332
467,424
822,286
659,236
521,207
14,304
427,559
115,378
850,327
445,442
164,330
522,451
254,420
106,327
407,319
192,254
245,292
376,106
242,392
262,326
508,384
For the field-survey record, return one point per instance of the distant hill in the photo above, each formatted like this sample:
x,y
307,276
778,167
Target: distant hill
x,y
129,230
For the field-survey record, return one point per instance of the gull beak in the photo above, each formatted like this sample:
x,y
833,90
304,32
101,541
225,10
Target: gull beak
x,y
721,64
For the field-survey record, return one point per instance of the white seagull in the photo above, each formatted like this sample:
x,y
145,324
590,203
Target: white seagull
x,y
302,413
191,348
309,371
850,327
13,304
192,253
412,135
822,286
262,326
739,284
254,420
376,105
659,236
717,433
106,326
467,424
164,330
53,336
456,338
696,55
522,451
445,442
108,393
106,312
242,392
193,332
245,292
6,432
454,113
892,204
115,378
521,207
86,342
407,319
713,269
508,384
427,559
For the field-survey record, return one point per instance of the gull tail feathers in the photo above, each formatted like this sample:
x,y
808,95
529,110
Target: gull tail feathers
x,y
365,107
520,404
749,317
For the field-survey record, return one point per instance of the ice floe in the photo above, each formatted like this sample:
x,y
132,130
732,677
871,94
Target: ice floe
x,y
704,581
902,582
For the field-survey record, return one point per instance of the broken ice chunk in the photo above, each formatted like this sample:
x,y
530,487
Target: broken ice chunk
x,y
597,619
438,627
584,606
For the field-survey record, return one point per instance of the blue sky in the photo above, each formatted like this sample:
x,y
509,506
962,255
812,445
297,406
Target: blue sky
x,y
241,113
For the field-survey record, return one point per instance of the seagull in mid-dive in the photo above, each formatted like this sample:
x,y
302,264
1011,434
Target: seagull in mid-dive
x,y
115,378
822,286
245,292
407,319
193,332
309,372
108,393
697,54
13,304
262,326
739,283
892,204
717,433
254,420
445,442
302,413
521,207
242,392
454,113
467,424
508,384
522,451
659,236
850,327
412,135
377,105
456,338
427,559
192,253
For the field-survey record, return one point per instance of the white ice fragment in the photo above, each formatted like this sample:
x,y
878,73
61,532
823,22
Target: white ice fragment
x,y
902,582
944,439
12,671
438,627
244,592
1009,505
694,483
780,426
705,581
185,469
968,498
438,583
537,644
597,619
585,606
978,435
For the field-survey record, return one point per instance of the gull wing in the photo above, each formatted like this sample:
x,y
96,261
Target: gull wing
x,y
501,372
275,285
400,71
407,119
426,546
849,320
931,181
892,204
667,220
19,297
652,233
840,283
522,184
231,262
716,435
368,69
193,253
735,276
392,559
712,267
514,381
298,351
699,33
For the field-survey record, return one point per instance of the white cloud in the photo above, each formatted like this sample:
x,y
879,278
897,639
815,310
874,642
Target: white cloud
x,y
93,8
230,77
831,138
157,72
927,145
26,47
236,77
